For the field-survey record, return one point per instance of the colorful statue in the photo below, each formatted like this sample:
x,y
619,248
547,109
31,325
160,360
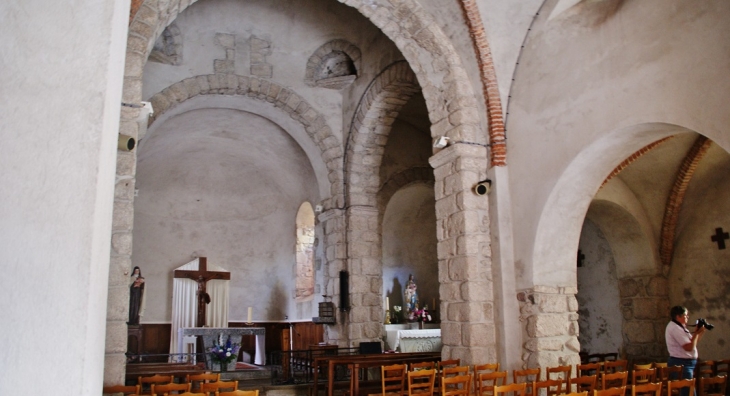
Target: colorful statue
x,y
411,295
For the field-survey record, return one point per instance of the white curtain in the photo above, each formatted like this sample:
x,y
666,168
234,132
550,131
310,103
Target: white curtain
x,y
185,304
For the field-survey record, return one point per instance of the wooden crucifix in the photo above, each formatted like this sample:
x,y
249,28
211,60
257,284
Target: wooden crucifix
x,y
202,276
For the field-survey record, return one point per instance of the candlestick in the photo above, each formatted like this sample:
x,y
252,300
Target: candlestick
x,y
250,314
387,316
433,306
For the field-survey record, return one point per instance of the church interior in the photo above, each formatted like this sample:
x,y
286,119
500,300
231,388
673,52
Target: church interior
x,y
553,174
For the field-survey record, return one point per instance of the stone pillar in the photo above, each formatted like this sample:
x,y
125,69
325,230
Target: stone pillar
x,y
366,275
645,309
333,229
465,265
550,315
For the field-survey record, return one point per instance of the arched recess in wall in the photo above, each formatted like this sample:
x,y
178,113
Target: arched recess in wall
x,y
304,252
553,257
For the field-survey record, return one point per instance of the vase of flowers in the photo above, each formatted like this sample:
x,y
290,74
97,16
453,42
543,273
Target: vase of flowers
x,y
224,353
421,316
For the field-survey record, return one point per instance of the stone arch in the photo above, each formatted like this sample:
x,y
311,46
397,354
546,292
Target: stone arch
x,y
400,180
314,63
168,47
266,91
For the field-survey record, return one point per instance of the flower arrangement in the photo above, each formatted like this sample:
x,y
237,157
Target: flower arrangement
x,y
224,353
420,315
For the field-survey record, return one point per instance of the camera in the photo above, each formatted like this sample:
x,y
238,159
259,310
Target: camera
x,y
701,322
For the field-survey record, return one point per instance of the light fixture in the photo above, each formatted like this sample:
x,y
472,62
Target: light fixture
x,y
440,142
483,187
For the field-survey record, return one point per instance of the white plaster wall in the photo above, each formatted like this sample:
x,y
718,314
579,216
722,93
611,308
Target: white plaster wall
x,y
227,185
699,276
578,94
60,95
598,294
409,244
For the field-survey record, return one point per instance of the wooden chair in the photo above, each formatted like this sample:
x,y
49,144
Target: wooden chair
x,y
456,386
483,368
670,373
445,365
145,383
614,380
647,389
528,376
238,392
552,387
587,369
586,383
393,379
645,366
576,394
722,367
421,382
487,382
127,390
619,391
448,363
218,386
163,389
705,368
516,389
673,387
712,386
561,372
422,366
193,394
645,376
658,365
196,379
614,366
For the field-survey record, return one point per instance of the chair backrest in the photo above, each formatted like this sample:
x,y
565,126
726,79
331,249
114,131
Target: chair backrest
x,y
722,367
206,377
218,385
667,373
576,394
705,368
421,381
673,387
422,366
517,389
193,394
448,363
614,380
560,372
456,386
712,385
155,379
127,390
454,371
161,389
647,388
643,376
552,387
586,383
483,368
658,365
615,366
587,369
393,378
487,382
239,392
645,366
527,375
619,391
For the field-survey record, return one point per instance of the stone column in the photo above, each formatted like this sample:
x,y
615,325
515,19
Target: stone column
x,y
645,309
550,315
465,265
366,275
333,228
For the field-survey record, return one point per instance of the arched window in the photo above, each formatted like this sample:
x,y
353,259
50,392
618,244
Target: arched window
x,y
305,252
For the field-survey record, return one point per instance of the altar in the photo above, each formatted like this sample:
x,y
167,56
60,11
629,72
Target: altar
x,y
211,334
400,337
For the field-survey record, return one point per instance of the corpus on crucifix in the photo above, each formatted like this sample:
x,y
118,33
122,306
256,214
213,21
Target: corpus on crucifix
x,y
202,276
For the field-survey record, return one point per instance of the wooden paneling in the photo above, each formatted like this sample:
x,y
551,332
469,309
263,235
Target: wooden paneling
x,y
306,334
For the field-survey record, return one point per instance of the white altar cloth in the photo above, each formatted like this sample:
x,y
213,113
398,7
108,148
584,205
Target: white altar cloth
x,y
426,340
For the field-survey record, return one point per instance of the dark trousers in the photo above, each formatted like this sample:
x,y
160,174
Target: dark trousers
x,y
688,369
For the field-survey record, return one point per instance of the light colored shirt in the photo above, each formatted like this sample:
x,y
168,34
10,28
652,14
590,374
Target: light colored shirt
x,y
677,336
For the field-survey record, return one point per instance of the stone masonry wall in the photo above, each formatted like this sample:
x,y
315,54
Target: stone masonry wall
x,y
645,309
465,265
550,318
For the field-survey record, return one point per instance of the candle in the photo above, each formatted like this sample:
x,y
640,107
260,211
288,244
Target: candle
x,y
433,305
250,313
387,303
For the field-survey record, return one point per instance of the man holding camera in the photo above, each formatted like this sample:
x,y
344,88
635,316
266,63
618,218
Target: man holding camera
x,y
681,343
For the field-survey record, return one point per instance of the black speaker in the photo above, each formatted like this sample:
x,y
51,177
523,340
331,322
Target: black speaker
x,y
367,348
344,291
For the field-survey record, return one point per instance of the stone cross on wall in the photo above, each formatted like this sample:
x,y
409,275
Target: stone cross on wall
x,y
202,276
